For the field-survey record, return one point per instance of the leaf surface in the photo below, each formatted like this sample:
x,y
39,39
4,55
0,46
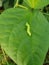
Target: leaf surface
x,y
22,48
36,4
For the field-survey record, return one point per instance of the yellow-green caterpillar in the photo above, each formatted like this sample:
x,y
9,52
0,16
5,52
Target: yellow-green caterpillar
x,y
28,29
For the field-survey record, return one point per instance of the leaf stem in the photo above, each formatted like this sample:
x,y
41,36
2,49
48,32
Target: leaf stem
x,y
22,6
16,3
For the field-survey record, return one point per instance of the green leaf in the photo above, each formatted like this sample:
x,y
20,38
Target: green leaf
x,y
8,3
47,16
22,48
36,4
5,4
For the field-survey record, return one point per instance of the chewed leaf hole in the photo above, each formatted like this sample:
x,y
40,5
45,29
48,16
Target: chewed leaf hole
x,y
28,29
